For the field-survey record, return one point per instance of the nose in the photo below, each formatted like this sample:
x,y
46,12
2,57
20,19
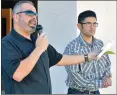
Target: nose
x,y
92,25
34,17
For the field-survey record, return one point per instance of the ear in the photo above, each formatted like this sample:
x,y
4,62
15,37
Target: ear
x,y
16,17
79,26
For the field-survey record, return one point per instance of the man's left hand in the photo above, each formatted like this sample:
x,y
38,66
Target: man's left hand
x,y
107,82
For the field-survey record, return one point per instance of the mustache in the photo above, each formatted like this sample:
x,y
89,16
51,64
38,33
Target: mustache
x,y
33,21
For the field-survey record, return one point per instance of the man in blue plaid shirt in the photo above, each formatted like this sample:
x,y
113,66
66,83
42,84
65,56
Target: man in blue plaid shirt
x,y
87,77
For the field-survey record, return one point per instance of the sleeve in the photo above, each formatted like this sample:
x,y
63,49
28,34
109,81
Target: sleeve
x,y
106,61
108,66
10,58
54,56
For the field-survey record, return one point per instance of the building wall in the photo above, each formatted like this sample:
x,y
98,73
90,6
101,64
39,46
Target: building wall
x,y
59,20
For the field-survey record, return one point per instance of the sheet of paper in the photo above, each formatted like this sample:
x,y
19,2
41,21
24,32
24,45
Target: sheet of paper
x,y
106,49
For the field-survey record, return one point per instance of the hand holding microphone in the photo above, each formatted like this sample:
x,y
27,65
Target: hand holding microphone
x,y
42,41
37,32
39,38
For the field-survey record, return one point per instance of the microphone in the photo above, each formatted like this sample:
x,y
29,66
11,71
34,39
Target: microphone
x,y
39,30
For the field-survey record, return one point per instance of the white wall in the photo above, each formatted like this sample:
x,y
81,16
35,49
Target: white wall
x,y
106,17
59,19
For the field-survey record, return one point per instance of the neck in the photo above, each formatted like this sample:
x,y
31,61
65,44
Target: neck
x,y
22,32
88,39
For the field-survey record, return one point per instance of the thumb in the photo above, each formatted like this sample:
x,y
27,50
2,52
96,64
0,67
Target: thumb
x,y
42,34
38,34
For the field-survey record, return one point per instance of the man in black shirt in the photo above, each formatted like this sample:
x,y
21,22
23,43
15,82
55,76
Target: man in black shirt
x,y
25,65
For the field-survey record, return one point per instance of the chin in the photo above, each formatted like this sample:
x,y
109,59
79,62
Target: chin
x,y
90,35
32,30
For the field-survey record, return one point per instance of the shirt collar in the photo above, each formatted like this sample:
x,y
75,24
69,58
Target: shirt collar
x,y
18,36
84,43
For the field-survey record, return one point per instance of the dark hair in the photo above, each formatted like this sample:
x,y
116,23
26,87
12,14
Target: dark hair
x,y
85,14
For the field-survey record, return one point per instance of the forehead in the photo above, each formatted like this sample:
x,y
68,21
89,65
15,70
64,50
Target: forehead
x,y
28,6
90,19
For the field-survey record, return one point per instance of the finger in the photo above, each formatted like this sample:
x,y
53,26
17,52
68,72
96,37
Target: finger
x,y
104,86
104,83
109,82
42,34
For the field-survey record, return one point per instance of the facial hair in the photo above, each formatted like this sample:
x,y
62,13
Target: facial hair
x,y
32,24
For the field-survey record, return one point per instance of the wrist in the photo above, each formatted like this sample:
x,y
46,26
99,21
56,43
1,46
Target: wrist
x,y
109,76
39,49
86,58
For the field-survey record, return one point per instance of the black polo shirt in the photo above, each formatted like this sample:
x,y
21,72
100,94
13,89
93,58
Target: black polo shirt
x,y
15,48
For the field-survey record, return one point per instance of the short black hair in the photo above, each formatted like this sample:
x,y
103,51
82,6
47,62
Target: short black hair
x,y
85,14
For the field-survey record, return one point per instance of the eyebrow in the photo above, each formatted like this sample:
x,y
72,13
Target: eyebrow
x,y
90,22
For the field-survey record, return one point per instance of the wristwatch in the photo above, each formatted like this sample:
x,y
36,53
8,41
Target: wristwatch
x,y
86,57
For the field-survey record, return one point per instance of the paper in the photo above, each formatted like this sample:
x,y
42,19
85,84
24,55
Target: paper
x,y
106,49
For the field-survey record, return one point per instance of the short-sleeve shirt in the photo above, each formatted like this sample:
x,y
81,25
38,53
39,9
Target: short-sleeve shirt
x,y
15,48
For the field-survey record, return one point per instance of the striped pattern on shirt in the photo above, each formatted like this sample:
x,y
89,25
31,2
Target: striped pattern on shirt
x,y
89,75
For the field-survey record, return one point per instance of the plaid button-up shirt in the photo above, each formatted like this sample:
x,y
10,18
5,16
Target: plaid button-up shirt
x,y
89,75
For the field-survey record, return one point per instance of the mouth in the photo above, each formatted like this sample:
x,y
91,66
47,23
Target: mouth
x,y
92,31
32,23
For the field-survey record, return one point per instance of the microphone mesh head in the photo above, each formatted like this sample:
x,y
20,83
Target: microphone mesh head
x,y
39,27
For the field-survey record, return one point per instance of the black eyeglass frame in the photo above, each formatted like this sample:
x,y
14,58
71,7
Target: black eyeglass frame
x,y
89,24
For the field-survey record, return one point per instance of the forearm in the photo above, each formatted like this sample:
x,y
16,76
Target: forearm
x,y
87,83
81,81
71,60
26,65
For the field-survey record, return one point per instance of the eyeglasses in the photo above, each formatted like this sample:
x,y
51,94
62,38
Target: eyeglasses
x,y
28,12
88,24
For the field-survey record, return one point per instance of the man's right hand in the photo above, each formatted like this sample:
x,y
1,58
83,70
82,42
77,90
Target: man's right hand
x,y
42,42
